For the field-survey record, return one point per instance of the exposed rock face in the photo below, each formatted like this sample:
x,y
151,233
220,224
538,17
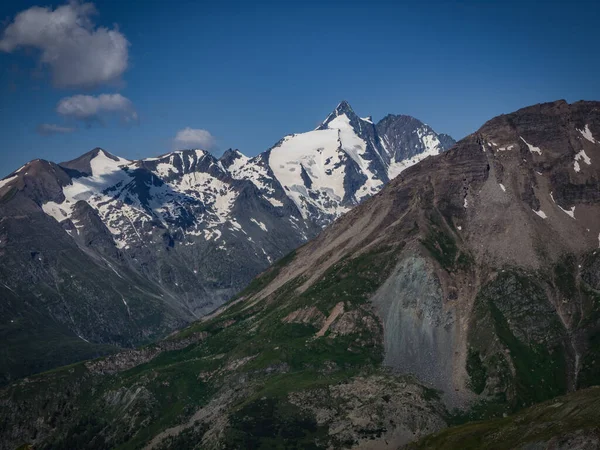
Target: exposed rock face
x,y
419,332
372,412
102,251
310,315
131,358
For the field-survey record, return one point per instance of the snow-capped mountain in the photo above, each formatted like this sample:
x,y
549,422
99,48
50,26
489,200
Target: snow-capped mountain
x,y
316,176
345,160
185,228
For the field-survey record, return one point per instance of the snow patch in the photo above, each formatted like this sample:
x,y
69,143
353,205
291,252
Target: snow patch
x,y
7,181
275,202
57,211
503,149
532,148
502,187
239,163
569,212
581,156
317,154
540,213
267,256
261,225
586,133
354,147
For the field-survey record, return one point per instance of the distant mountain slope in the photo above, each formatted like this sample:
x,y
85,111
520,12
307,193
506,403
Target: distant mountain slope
x,y
103,251
470,281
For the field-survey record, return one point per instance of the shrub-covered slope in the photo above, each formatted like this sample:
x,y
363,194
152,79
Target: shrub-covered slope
x,y
569,422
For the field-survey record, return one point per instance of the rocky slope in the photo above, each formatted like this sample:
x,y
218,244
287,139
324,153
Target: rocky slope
x,y
467,288
103,251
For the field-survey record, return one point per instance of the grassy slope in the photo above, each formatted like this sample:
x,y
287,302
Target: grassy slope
x,y
539,423
246,346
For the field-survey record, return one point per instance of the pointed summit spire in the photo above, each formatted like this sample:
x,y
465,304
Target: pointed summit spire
x,y
342,108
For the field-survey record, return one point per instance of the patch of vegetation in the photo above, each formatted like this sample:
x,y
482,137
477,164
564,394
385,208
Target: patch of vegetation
x,y
564,276
487,409
273,423
84,434
477,371
31,343
442,246
9,195
589,374
538,424
516,341
540,372
351,280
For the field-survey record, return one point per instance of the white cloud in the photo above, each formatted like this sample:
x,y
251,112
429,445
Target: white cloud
x,y
194,138
47,129
90,108
78,53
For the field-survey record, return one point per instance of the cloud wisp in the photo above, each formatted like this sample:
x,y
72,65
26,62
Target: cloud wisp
x,y
89,108
79,54
194,138
48,129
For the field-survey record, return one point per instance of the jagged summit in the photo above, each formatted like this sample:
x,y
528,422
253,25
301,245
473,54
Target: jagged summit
x,y
190,152
231,156
343,107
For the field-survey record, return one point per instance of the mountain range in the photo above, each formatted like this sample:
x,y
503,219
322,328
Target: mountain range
x,y
102,251
467,288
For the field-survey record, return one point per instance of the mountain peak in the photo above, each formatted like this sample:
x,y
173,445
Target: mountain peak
x,y
97,151
343,107
83,163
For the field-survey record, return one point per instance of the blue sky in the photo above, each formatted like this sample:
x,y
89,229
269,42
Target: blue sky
x,y
251,72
